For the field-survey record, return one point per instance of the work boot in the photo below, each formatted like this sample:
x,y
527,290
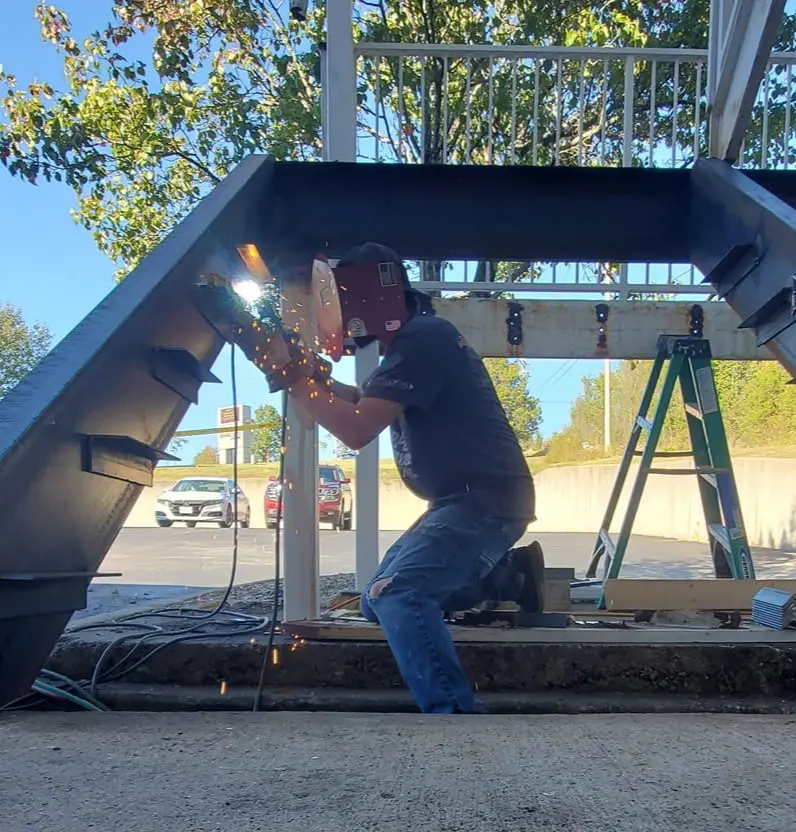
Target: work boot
x,y
529,562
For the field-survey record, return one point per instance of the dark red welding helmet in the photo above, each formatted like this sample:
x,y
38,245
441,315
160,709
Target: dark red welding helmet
x,y
375,294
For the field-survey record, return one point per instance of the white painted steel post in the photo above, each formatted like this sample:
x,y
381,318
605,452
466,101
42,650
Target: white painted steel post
x,y
720,13
300,490
339,99
339,125
367,486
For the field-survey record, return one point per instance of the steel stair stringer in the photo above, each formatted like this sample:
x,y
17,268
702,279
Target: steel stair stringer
x,y
743,239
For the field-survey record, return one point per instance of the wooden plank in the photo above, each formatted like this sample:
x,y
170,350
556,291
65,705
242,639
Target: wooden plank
x,y
706,595
642,634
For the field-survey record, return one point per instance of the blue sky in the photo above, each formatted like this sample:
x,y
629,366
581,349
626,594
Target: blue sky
x,y
54,273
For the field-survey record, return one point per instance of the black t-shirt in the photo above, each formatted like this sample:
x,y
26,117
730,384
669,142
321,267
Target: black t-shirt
x,y
453,437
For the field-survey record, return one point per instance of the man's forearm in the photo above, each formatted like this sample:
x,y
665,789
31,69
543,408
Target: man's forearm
x,y
346,392
332,411
354,424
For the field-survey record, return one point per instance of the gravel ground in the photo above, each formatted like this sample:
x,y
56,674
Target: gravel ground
x,y
257,598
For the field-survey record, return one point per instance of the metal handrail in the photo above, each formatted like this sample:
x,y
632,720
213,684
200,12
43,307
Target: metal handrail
x,y
551,286
598,53
416,50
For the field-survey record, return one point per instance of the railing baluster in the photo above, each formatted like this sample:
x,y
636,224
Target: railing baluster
x,y
675,104
764,141
604,112
697,111
536,111
378,109
467,110
513,112
788,93
445,92
558,110
491,113
581,108
423,109
401,109
653,110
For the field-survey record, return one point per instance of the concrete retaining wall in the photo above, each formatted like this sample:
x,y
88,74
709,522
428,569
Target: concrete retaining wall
x,y
573,499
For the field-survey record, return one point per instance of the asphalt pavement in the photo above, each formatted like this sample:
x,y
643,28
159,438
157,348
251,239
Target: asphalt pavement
x,y
178,562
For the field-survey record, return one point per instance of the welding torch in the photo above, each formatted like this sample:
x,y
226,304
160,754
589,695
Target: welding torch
x,y
260,334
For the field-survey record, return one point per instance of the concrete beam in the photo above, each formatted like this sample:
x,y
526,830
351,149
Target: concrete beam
x,y
569,329
744,52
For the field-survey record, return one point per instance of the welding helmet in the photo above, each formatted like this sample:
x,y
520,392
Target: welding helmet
x,y
375,294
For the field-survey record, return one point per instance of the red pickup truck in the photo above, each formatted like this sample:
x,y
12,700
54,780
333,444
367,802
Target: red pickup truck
x,y
335,498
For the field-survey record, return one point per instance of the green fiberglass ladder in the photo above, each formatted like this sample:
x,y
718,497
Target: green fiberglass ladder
x,y
689,363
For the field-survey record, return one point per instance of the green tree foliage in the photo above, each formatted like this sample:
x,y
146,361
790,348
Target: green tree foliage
x,y
266,438
510,378
758,408
21,346
207,456
141,141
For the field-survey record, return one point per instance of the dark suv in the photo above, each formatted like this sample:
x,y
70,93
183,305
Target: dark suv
x,y
335,498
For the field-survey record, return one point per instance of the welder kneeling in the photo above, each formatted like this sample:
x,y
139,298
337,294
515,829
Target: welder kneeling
x,y
453,447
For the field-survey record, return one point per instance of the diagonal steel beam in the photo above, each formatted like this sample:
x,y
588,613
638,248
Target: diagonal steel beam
x,y
743,238
80,436
753,27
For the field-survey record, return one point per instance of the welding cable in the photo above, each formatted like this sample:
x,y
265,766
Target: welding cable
x,y
59,680
59,693
277,554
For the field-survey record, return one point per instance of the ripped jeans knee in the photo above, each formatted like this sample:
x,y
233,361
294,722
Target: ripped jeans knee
x,y
371,594
377,587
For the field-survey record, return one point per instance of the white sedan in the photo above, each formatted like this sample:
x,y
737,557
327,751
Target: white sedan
x,y
202,500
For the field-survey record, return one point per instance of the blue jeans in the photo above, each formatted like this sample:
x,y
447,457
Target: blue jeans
x,y
450,559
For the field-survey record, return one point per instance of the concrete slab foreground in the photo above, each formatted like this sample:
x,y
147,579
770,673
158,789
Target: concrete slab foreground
x,y
338,772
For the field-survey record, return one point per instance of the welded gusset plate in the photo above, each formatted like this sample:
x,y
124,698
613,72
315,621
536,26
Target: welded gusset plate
x,y
80,436
746,237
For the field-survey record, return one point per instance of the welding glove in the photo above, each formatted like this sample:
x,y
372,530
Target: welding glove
x,y
304,364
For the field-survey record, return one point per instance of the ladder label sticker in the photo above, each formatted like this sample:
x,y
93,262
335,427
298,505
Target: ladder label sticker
x,y
745,561
707,390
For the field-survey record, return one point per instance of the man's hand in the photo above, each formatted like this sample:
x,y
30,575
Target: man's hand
x,y
303,364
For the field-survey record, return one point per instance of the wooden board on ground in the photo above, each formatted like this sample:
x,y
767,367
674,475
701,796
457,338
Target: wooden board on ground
x,y
625,594
640,634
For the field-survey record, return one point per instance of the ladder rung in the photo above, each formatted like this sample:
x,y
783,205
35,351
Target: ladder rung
x,y
719,533
669,454
693,411
643,423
